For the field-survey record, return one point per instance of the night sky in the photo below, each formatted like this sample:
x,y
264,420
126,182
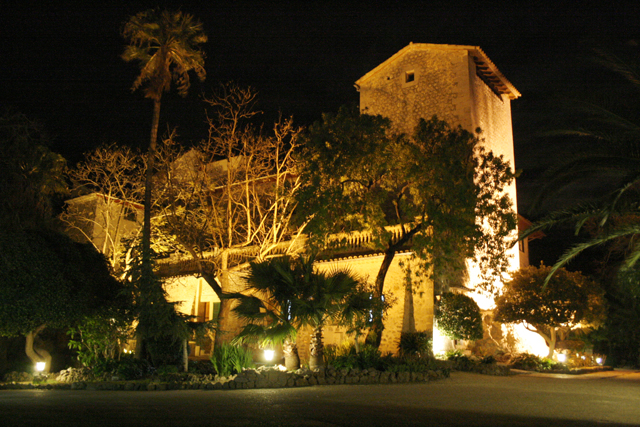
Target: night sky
x,y
60,60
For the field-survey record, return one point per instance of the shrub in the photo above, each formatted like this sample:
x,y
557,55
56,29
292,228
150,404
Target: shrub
x,y
201,367
488,360
462,362
229,359
345,357
415,344
164,350
130,368
531,362
127,368
410,364
458,317
99,336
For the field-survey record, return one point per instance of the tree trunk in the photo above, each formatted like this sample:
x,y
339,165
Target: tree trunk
x,y
185,355
146,226
291,358
316,349
225,330
37,355
375,332
148,184
552,342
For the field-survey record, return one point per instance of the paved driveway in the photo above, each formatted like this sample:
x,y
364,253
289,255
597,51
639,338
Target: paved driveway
x,y
604,399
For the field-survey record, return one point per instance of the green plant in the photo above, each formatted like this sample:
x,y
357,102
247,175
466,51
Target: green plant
x,y
201,367
488,360
99,336
164,350
229,359
403,364
130,368
126,368
346,357
415,344
531,362
458,317
461,361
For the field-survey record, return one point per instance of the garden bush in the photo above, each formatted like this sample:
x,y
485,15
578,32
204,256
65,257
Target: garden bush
x,y
229,359
459,317
415,344
531,362
345,357
461,361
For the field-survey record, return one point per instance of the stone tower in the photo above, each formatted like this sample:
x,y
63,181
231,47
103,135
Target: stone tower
x,y
459,84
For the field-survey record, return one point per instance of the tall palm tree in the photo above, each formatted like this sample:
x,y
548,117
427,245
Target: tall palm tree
x,y
166,45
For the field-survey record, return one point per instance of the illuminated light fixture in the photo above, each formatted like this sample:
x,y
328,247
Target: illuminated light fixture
x,y
268,355
583,357
562,357
599,360
40,366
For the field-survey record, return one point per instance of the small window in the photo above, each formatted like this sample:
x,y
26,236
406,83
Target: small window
x,y
409,77
130,214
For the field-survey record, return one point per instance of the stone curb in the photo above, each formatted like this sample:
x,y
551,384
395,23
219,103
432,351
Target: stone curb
x,y
250,379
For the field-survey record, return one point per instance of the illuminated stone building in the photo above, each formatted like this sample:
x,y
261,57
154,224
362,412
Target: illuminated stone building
x,y
458,84
461,85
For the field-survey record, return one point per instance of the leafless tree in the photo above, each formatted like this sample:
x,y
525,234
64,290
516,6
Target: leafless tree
x,y
107,211
229,200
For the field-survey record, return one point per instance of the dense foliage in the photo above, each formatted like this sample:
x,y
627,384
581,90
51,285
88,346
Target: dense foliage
x,y
436,190
619,336
458,317
32,175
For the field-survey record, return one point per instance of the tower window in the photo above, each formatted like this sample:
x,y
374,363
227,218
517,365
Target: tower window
x,y
409,76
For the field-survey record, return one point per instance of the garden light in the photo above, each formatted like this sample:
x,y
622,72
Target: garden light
x,y
40,366
268,355
599,360
562,357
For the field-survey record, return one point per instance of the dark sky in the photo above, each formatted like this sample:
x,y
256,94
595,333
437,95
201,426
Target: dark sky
x,y
60,60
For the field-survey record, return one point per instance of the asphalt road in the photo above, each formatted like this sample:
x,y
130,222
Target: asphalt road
x,y
605,399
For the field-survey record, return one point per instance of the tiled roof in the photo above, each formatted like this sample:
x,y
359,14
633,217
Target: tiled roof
x,y
485,68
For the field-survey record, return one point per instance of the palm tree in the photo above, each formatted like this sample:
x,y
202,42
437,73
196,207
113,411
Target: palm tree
x,y
324,296
269,304
166,44
288,293
617,154
608,133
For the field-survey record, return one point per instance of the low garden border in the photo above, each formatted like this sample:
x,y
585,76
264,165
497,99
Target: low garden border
x,y
262,377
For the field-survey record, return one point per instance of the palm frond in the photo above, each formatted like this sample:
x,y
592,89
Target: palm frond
x,y
630,260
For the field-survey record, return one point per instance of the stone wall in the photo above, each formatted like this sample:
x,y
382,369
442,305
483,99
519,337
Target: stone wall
x,y
411,309
437,82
